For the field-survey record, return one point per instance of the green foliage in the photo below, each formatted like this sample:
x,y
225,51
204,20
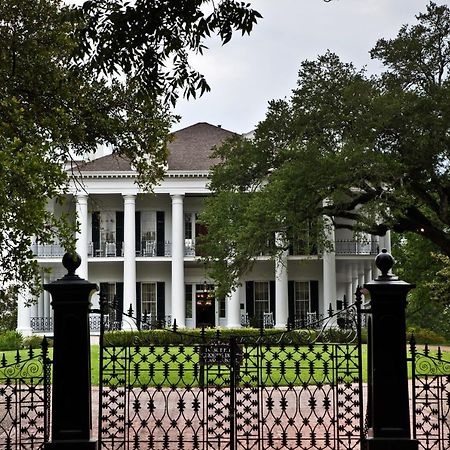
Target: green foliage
x,y
35,342
11,340
370,153
426,336
52,109
8,308
194,336
418,262
152,41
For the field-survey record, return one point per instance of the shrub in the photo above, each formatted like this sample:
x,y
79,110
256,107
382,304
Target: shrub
x,y
10,340
194,336
35,342
425,336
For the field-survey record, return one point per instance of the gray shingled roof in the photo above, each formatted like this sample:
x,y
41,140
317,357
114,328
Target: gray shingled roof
x,y
190,150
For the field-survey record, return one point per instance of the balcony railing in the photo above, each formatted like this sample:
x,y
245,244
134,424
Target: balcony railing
x,y
352,247
45,324
152,248
105,249
48,250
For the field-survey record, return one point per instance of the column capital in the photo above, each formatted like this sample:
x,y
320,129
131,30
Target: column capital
x,y
177,196
129,198
81,198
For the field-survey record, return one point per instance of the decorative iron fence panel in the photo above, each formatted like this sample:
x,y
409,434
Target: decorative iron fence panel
x,y
430,398
276,390
25,400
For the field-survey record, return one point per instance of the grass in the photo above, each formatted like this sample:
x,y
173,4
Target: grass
x,y
178,366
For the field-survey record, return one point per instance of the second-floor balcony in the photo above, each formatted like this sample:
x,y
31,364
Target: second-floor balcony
x,y
152,249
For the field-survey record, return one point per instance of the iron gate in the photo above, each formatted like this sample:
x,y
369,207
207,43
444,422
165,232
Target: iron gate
x,y
269,389
25,399
430,397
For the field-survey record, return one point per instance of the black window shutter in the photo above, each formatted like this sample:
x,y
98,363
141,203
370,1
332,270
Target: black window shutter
x,y
272,298
119,232
96,230
314,291
119,300
160,238
291,300
137,230
249,298
161,300
138,312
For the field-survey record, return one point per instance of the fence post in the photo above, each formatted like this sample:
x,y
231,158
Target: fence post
x,y
390,411
71,416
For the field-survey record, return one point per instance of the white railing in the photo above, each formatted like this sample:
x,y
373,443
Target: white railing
x,y
48,250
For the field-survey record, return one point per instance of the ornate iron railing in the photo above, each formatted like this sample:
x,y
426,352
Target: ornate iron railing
x,y
25,399
45,324
270,389
430,398
354,247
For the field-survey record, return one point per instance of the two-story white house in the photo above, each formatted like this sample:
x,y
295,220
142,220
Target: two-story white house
x,y
140,249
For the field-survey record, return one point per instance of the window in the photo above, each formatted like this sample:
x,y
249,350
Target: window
x,y
148,225
148,299
302,303
108,226
261,298
188,300
110,290
222,308
188,226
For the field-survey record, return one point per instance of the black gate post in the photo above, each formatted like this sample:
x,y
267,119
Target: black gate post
x,y
390,412
71,397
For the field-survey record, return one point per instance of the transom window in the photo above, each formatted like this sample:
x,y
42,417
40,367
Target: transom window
x,y
302,298
148,299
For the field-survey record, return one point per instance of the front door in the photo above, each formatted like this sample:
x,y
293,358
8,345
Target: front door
x,y
205,306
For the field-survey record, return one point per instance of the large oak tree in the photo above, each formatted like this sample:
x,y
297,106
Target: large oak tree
x,y
369,153
53,111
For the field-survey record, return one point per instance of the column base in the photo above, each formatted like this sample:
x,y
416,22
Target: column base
x,y
391,444
71,445
25,331
234,325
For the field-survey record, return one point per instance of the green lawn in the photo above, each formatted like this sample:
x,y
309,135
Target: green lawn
x,y
179,366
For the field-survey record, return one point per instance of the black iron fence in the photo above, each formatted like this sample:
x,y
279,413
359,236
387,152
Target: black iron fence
x,y
25,384
430,397
292,389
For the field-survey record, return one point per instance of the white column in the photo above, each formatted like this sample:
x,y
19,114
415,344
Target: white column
x,y
178,306
350,295
329,270
368,273
355,280
281,286
129,256
24,315
82,234
234,309
387,241
41,304
361,274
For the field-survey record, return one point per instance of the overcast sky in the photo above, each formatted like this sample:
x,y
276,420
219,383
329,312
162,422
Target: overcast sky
x,y
250,71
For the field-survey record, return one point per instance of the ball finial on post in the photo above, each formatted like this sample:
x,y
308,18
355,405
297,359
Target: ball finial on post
x,y
71,262
384,261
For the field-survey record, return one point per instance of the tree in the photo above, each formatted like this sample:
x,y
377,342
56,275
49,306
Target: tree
x,y
150,41
419,261
370,153
51,111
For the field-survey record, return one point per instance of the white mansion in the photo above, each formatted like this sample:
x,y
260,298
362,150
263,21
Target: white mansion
x,y
140,249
